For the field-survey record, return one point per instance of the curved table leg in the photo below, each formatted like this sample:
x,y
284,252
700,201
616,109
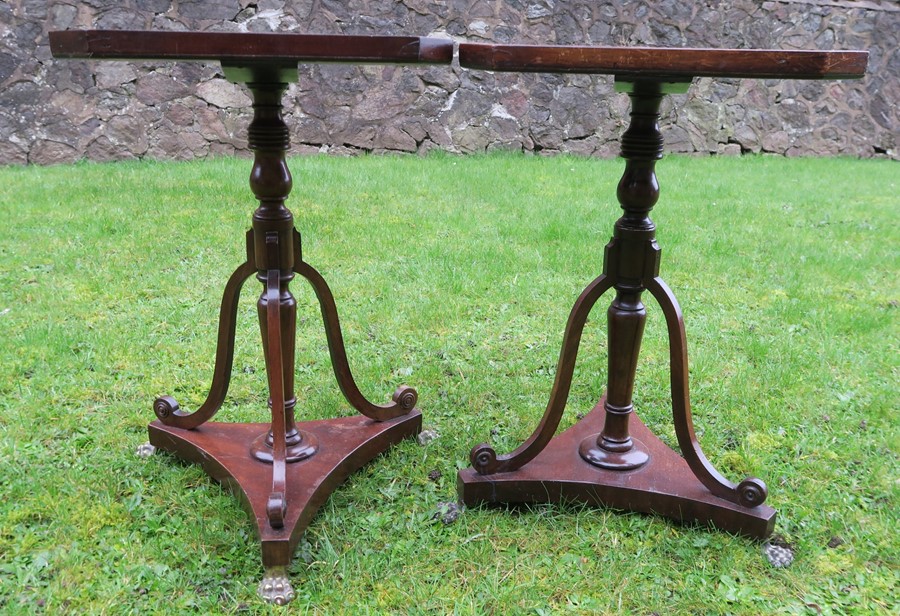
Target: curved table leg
x,y
404,398
166,407
751,491
276,507
483,457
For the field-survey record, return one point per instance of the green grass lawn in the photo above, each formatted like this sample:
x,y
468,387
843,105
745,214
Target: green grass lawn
x,y
455,276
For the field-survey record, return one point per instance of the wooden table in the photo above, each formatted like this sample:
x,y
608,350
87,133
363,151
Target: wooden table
x,y
610,457
304,461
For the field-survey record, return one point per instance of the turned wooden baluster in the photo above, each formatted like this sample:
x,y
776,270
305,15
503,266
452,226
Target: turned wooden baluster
x,y
273,226
631,257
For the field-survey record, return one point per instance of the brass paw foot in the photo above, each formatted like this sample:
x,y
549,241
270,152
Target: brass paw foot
x,y
276,587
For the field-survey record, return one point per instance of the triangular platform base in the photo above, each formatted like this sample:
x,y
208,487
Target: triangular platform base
x,y
223,450
665,485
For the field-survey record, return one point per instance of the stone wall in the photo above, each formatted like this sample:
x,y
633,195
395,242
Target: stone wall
x,y
62,111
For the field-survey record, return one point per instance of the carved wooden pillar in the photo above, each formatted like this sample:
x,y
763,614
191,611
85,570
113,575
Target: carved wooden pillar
x,y
273,227
631,258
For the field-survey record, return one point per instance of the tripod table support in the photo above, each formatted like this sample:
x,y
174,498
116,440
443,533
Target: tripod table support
x,y
610,457
306,461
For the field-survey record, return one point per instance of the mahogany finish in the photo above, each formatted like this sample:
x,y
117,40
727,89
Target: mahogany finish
x,y
221,448
610,457
664,484
283,471
665,62
229,47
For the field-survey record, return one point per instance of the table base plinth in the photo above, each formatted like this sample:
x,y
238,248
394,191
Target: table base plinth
x,y
665,485
223,450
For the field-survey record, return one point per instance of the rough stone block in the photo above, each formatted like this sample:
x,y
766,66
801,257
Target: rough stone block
x,y
422,108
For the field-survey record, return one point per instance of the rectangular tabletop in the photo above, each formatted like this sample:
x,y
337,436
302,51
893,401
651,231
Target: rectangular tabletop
x,y
666,63
241,47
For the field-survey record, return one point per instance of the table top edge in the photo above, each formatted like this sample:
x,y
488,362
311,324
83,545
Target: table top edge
x,y
666,63
229,47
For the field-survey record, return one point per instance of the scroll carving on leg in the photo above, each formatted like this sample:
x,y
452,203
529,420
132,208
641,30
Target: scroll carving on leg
x,y
404,398
276,507
751,492
483,457
166,407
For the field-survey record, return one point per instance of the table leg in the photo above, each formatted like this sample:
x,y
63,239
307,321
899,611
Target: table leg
x,y
166,407
404,398
306,461
610,457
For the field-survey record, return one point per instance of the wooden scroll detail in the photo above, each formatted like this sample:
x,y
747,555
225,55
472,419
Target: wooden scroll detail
x,y
166,407
404,399
483,457
276,507
751,492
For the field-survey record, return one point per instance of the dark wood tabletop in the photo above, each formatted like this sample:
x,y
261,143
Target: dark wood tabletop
x,y
675,64
232,47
